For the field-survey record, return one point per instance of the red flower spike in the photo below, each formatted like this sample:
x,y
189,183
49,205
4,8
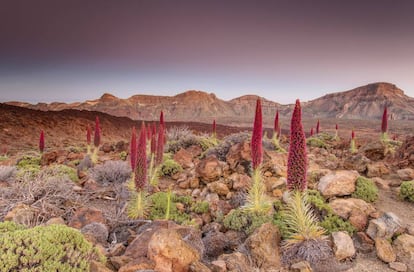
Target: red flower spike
x,y
160,146
162,119
133,149
276,124
42,141
256,142
214,127
97,135
317,127
141,164
352,135
154,139
297,162
311,132
384,125
336,127
88,134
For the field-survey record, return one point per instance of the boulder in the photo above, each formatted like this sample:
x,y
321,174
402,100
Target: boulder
x,y
107,148
95,233
398,266
356,162
139,264
343,245
377,169
184,158
239,154
215,242
170,252
236,262
384,250
241,182
209,169
406,174
263,247
85,216
385,226
375,150
48,158
404,248
338,183
219,188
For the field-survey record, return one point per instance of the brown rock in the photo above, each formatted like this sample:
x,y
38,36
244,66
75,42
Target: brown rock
x,y
385,226
398,266
344,206
138,265
356,162
170,253
377,169
215,243
406,174
98,267
339,183
195,150
240,181
358,219
22,214
236,262
218,188
85,216
49,158
384,250
209,169
184,158
107,148
239,154
56,221
343,245
303,266
198,267
375,150
117,250
404,248
263,246
219,266
119,261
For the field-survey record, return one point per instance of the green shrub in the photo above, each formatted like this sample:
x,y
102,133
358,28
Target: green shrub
x,y
318,202
407,190
207,142
60,170
28,165
159,203
44,248
170,167
245,220
316,142
366,190
28,160
332,223
200,207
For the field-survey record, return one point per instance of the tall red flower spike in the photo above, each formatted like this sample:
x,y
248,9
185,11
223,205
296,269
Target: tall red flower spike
x,y
256,142
97,135
311,132
88,134
160,146
297,163
162,119
154,139
317,127
384,125
42,141
149,132
141,165
336,127
353,134
133,149
214,128
276,125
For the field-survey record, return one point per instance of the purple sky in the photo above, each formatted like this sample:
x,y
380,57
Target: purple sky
x,y
282,50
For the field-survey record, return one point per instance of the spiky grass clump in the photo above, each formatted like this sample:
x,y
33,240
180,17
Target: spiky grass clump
x,y
256,198
297,160
353,148
302,224
139,206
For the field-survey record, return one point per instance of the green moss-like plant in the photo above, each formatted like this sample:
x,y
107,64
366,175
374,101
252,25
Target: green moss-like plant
x,y
207,142
28,160
170,167
316,142
161,205
44,248
60,170
28,165
200,207
407,190
245,220
366,190
333,223
316,200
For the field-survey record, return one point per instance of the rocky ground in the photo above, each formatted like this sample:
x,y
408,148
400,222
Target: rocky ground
x,y
198,237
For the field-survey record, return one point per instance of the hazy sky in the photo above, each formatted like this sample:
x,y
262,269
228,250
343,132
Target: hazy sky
x,y
78,49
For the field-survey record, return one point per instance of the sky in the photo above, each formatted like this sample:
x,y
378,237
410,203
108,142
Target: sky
x,y
74,50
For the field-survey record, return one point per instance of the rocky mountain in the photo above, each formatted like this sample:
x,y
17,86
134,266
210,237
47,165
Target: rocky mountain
x,y
366,102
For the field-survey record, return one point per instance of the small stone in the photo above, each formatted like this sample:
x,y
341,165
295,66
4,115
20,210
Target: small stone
x,y
85,216
117,250
385,251
398,266
219,266
55,221
343,245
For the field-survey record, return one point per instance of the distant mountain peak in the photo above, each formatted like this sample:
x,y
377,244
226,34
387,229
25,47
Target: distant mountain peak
x,y
108,97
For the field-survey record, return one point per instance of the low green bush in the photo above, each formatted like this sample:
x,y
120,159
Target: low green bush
x,y
245,220
159,206
366,190
123,155
200,207
407,190
44,248
316,142
60,170
332,223
170,167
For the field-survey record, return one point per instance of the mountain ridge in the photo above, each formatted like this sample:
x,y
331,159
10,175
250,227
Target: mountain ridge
x,y
364,102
